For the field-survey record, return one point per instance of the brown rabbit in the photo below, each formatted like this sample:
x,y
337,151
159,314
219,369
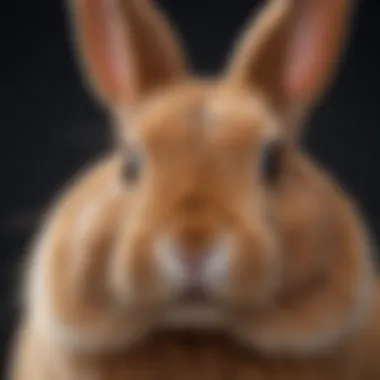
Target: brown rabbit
x,y
208,245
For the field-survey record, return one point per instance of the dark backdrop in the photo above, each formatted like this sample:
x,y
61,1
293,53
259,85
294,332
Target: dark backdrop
x,y
50,127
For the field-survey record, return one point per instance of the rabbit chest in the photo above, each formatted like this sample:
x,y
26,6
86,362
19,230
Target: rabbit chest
x,y
200,357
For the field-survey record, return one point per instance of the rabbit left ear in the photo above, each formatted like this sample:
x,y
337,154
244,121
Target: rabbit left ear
x,y
127,47
291,50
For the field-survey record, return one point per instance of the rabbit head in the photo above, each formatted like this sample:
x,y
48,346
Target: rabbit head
x,y
225,218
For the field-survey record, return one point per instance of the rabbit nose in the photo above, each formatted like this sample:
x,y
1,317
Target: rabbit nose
x,y
193,260
185,265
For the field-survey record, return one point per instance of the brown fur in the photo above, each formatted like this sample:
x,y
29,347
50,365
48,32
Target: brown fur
x,y
299,299
203,356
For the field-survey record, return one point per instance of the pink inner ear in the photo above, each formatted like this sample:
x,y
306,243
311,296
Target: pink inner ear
x,y
312,48
106,48
119,58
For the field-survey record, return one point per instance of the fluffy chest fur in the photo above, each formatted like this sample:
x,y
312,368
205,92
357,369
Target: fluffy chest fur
x,y
200,356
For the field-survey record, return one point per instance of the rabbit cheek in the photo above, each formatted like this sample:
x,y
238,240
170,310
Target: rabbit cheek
x,y
134,275
254,270
303,227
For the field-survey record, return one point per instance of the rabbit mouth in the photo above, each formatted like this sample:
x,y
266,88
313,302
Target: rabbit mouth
x,y
192,316
193,308
195,296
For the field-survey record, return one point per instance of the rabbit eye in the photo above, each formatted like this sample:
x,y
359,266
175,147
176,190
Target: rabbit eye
x,y
271,159
131,168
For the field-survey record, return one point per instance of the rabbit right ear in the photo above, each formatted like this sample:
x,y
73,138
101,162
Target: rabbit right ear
x,y
126,47
291,50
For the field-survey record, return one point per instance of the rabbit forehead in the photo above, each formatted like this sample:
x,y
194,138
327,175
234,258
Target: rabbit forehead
x,y
203,111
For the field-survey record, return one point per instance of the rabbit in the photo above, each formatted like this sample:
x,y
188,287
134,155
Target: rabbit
x,y
208,244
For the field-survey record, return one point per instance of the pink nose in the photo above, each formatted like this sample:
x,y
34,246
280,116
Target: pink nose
x,y
193,259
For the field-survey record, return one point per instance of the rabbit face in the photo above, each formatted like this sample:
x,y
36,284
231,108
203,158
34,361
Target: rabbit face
x,y
223,215
208,176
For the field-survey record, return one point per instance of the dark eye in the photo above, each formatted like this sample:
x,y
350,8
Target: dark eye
x,y
271,161
131,168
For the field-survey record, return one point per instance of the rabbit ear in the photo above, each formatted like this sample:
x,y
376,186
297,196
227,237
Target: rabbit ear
x,y
127,48
291,49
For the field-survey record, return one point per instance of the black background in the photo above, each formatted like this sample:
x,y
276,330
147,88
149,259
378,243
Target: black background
x,y
50,127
